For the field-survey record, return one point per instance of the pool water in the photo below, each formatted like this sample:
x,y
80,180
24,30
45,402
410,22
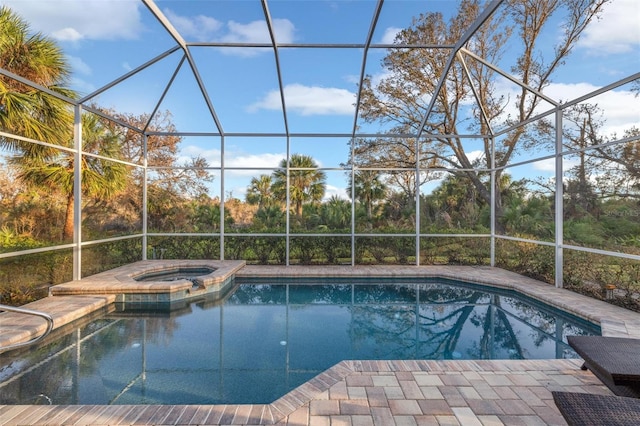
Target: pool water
x,y
267,338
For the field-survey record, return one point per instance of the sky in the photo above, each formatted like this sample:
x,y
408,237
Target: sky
x,y
104,39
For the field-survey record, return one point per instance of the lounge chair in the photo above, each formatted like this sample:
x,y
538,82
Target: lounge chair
x,y
614,360
585,409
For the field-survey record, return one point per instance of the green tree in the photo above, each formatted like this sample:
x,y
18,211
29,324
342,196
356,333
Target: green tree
x,y
307,184
205,214
26,111
269,218
531,216
31,113
456,202
335,214
369,189
101,178
259,192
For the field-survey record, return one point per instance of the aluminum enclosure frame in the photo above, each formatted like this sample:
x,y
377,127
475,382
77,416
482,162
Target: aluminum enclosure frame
x,y
458,51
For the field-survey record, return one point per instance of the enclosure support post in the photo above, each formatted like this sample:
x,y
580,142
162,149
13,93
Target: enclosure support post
x,y
417,201
77,192
493,184
222,196
288,204
353,204
145,241
559,224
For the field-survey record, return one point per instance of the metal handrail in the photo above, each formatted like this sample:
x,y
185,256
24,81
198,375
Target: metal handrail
x,y
47,317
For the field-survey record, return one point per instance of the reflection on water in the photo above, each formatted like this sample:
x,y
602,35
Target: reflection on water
x,y
266,339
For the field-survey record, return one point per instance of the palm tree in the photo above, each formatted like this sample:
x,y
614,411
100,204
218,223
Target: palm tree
x,y
270,218
368,189
259,192
101,178
31,113
26,111
307,184
335,214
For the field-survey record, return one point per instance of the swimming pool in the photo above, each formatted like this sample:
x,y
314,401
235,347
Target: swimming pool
x,y
266,338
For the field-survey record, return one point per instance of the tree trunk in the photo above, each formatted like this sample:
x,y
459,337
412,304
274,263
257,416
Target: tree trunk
x,y
67,232
485,193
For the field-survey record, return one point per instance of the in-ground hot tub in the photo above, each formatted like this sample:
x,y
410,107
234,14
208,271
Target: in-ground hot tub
x,y
194,274
153,282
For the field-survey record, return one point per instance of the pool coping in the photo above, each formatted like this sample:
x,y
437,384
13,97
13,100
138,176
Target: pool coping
x,y
613,320
122,280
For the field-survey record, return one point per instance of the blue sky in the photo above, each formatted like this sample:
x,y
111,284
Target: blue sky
x,y
103,39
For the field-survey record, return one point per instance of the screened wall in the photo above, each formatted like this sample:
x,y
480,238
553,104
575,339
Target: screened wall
x,y
387,132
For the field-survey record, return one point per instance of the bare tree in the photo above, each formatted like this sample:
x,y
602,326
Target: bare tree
x,y
604,164
402,97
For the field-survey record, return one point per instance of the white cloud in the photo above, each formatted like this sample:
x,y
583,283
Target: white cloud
x,y
67,34
309,100
475,155
79,65
389,35
208,29
619,107
331,190
254,160
617,31
233,159
549,165
75,20
80,68
236,181
82,86
258,32
198,28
